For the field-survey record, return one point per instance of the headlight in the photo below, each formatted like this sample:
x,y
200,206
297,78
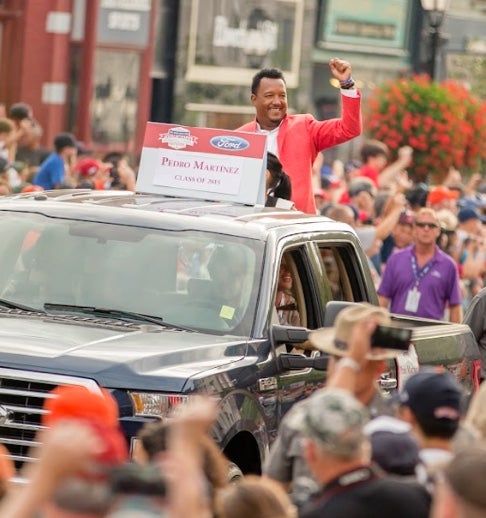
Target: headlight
x,y
151,404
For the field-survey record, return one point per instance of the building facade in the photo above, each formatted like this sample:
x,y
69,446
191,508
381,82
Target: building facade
x,y
102,68
83,66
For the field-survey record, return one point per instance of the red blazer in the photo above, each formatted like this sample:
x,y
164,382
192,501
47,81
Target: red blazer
x,y
301,137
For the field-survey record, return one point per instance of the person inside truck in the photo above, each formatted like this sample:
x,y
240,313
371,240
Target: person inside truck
x,y
284,301
224,292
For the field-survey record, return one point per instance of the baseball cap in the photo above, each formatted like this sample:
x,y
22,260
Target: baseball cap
x,y
352,165
97,409
90,166
334,340
417,195
393,446
433,397
477,201
448,220
441,193
333,418
467,213
406,218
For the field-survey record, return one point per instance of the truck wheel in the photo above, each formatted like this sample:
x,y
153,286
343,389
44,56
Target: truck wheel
x,y
234,473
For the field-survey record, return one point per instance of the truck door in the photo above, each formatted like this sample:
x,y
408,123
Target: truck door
x,y
295,304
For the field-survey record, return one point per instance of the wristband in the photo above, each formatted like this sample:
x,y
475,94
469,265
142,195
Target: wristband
x,y
346,84
350,363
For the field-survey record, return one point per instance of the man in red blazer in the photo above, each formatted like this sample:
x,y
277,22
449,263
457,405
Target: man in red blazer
x,y
297,139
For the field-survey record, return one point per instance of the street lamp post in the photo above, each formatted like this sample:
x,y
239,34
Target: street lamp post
x,y
436,10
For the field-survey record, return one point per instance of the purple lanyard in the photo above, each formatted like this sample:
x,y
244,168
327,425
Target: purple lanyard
x,y
419,275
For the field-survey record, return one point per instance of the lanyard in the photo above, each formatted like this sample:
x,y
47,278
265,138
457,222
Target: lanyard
x,y
348,481
419,275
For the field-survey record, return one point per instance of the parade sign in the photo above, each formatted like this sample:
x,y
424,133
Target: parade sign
x,y
203,163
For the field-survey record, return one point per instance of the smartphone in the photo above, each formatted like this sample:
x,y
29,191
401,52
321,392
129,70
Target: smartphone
x,y
391,337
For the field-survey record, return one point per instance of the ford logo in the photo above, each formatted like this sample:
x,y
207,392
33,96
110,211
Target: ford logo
x,y
229,143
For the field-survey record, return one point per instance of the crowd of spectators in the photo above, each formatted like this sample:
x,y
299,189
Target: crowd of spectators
x,y
26,165
385,204
344,451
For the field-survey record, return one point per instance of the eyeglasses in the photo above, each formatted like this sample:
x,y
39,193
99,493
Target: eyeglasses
x,y
423,224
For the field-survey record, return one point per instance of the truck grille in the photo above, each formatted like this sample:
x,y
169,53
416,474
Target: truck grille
x,y
22,396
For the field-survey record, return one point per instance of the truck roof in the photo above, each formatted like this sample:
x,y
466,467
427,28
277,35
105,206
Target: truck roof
x,y
227,217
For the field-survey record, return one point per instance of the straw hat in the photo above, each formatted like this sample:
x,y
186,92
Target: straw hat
x,y
334,340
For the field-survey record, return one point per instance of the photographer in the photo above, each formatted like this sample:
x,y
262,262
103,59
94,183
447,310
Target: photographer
x,y
122,176
24,142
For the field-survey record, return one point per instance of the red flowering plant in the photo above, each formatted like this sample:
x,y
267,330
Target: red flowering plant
x,y
443,123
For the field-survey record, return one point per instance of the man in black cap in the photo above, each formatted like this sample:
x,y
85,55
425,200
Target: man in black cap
x,y
431,402
51,173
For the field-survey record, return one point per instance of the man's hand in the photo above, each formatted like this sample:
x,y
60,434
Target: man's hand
x,y
340,69
360,340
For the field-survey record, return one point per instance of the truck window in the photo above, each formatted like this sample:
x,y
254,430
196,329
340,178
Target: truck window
x,y
194,279
345,277
300,289
289,289
335,280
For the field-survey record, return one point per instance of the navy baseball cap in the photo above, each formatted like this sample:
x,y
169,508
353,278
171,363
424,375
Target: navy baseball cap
x,y
433,397
468,212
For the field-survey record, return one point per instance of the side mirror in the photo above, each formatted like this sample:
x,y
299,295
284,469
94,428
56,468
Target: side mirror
x,y
289,334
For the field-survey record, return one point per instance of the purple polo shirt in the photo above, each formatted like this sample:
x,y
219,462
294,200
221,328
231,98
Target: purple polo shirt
x,y
437,287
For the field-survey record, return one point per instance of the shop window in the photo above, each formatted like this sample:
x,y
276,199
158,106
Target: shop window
x,y
115,97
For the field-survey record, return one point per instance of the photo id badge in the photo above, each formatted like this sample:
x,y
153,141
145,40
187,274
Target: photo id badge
x,y
413,299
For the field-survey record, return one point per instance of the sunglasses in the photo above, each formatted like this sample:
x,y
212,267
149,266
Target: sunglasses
x,y
423,224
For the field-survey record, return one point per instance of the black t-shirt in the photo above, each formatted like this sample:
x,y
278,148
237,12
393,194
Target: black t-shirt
x,y
366,493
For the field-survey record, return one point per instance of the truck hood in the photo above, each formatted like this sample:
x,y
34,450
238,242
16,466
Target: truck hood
x,y
145,356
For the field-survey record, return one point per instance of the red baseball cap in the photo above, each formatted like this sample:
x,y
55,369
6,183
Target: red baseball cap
x,y
440,193
90,166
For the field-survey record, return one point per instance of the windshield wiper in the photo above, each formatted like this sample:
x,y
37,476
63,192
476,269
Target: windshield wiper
x,y
15,305
114,313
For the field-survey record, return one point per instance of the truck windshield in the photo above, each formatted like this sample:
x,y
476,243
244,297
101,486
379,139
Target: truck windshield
x,y
193,279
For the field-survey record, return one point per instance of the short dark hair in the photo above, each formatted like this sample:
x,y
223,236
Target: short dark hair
x,y
63,140
153,436
281,186
373,148
19,111
441,428
114,157
271,73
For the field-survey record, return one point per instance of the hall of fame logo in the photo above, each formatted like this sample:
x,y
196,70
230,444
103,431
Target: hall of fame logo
x,y
178,138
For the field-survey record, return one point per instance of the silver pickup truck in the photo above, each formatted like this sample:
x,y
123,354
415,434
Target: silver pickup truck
x,y
156,298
